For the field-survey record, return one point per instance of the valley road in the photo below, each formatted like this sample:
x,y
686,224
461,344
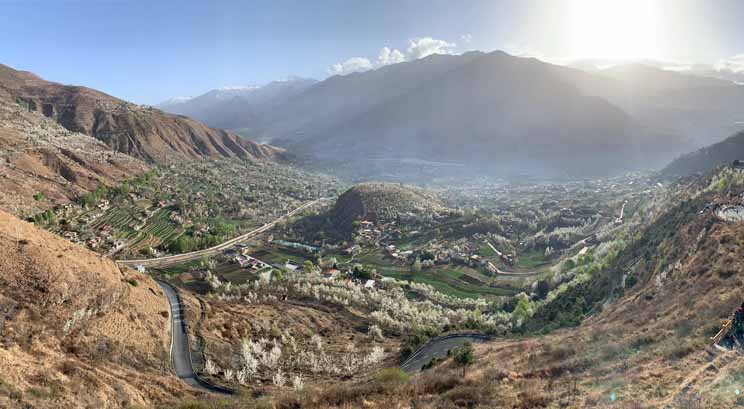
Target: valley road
x,y
437,348
180,351
196,255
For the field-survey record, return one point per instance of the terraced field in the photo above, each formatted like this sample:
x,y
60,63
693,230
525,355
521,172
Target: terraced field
x,y
158,230
456,281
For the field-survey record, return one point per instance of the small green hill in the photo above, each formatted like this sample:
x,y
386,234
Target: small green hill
x,y
383,203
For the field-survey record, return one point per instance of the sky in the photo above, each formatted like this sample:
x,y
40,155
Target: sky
x,y
148,51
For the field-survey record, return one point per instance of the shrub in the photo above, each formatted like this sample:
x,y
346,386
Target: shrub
x,y
466,396
192,405
465,357
642,341
391,375
437,384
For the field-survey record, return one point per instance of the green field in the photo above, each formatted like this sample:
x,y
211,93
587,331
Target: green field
x,y
486,251
532,260
446,279
275,255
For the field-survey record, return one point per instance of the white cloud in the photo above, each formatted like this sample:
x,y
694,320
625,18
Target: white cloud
x,y
732,65
354,64
466,38
388,56
426,46
417,48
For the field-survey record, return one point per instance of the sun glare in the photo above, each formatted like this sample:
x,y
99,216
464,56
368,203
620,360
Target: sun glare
x,y
614,29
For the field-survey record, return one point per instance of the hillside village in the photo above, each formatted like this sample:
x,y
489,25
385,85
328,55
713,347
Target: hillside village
x,y
170,209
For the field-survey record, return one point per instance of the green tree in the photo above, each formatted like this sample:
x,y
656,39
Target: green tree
x,y
416,266
543,288
308,267
464,357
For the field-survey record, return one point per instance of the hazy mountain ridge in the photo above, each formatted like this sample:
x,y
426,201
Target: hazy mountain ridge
x,y
481,108
494,111
709,157
237,107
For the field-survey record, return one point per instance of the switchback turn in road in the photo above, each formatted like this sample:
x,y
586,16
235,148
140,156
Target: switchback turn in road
x,y
437,348
180,351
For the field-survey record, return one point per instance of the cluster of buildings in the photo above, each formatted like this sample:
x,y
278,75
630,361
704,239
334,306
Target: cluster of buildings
x,y
239,255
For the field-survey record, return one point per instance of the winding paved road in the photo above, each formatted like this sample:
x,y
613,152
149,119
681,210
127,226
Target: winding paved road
x,y
196,255
180,351
437,348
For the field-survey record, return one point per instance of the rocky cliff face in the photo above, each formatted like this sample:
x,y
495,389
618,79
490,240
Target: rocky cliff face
x,y
143,132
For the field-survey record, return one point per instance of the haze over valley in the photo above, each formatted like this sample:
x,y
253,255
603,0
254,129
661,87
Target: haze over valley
x,y
509,204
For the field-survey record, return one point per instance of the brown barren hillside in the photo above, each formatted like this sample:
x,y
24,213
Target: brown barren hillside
x,y
143,132
43,164
75,330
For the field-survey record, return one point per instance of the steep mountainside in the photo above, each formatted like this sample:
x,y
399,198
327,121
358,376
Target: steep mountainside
x,y
497,112
43,164
705,110
340,98
76,330
656,306
142,132
707,158
238,108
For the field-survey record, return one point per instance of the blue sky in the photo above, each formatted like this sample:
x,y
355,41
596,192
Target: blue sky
x,y
147,51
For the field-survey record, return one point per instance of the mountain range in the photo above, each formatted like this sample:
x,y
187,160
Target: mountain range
x,y
490,111
237,107
143,132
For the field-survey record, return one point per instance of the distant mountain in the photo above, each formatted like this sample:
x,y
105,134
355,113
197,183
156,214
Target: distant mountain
x,y
708,158
703,109
237,107
492,111
173,102
143,132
